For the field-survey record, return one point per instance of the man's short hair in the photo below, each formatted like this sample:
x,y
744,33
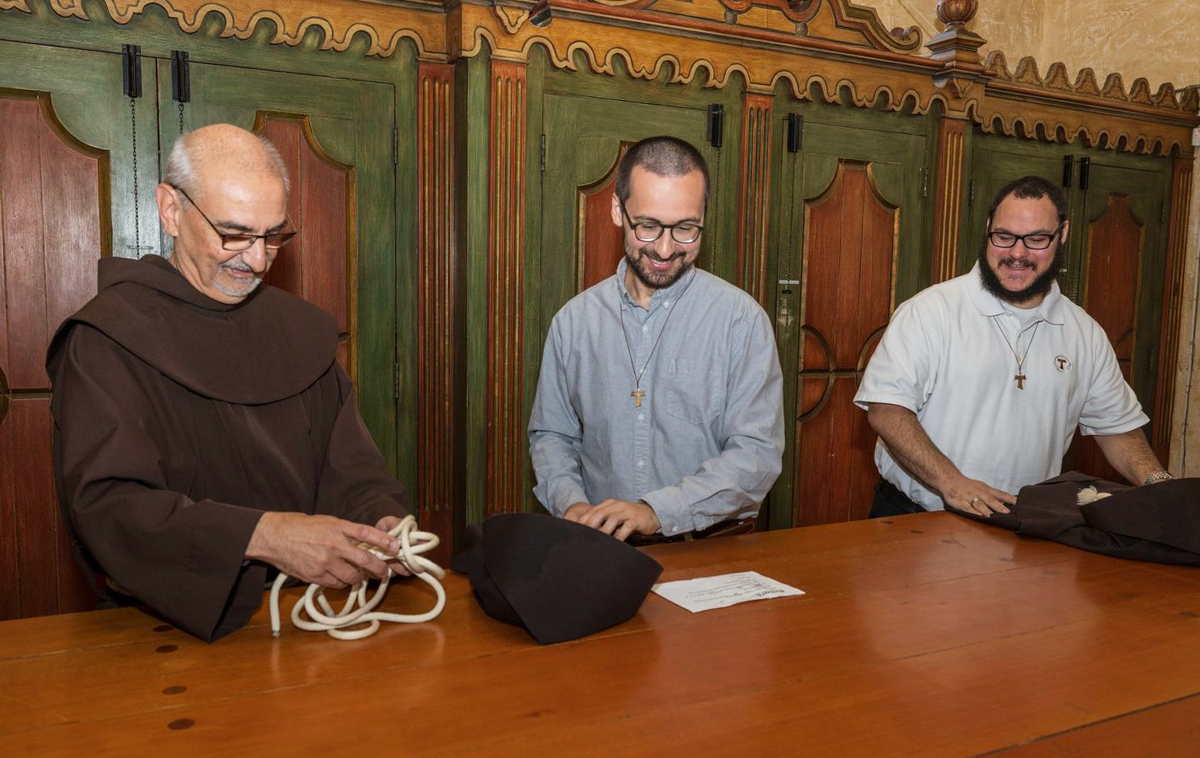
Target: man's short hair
x,y
181,164
662,156
1030,188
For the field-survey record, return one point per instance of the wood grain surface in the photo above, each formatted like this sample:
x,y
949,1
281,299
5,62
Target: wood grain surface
x,y
919,635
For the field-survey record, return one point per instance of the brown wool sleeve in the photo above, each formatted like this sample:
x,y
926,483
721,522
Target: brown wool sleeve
x,y
355,483
182,557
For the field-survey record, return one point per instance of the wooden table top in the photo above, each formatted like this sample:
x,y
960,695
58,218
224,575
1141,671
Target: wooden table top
x,y
920,635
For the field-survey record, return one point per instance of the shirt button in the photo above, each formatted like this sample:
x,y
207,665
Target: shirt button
x,y
645,327
667,304
641,463
641,417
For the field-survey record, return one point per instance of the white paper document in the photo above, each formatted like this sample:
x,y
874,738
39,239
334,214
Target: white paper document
x,y
709,592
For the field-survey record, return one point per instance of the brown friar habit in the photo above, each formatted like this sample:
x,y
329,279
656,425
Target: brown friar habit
x,y
180,420
1157,522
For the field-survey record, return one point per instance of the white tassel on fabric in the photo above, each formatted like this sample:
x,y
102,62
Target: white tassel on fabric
x,y
1090,495
324,619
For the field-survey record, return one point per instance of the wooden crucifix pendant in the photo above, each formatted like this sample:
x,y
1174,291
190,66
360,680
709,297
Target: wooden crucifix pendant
x,y
1020,381
638,395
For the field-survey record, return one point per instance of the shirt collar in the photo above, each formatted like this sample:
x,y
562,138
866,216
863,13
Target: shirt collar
x,y
660,295
1050,309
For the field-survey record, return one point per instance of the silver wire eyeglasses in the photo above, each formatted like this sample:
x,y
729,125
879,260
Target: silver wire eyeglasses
x,y
684,232
236,242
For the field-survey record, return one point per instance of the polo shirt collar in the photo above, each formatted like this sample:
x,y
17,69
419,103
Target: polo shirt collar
x,y
1051,308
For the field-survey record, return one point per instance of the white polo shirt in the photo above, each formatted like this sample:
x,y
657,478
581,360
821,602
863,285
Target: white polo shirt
x,y
944,356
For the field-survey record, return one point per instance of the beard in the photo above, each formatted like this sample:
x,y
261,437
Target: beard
x,y
636,257
1039,286
236,287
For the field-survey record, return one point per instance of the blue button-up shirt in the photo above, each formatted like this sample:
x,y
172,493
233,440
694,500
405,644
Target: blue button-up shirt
x,y
707,441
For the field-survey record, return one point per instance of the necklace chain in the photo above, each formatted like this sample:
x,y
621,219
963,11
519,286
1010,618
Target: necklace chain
x,y
637,393
1020,375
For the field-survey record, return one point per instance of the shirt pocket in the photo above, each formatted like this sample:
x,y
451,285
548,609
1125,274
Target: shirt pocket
x,y
695,391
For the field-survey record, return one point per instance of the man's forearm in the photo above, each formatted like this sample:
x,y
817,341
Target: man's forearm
x,y
908,443
1129,454
558,470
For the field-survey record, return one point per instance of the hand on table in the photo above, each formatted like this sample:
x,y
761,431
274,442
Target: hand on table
x,y
619,518
974,496
319,549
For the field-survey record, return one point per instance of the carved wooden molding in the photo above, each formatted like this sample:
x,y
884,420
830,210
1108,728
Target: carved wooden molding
x,y
436,295
754,195
1056,109
1172,314
947,222
506,285
1057,81
848,57
338,20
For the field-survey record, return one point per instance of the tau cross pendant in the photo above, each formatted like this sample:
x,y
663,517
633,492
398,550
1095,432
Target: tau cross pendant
x,y
1020,381
638,395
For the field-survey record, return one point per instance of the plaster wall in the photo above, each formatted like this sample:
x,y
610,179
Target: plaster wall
x,y
1158,41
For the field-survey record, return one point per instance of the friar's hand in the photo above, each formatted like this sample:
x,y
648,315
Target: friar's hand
x,y
974,496
387,524
319,549
621,518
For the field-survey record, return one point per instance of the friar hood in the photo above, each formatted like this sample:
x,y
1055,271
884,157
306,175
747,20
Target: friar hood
x,y
270,346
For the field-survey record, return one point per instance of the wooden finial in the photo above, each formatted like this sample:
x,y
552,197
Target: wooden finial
x,y
957,48
956,13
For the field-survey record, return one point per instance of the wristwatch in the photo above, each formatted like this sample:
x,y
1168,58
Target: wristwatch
x,y
1158,476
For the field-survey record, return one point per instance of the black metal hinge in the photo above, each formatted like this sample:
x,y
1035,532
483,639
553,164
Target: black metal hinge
x,y
131,70
795,132
716,125
181,78
395,146
924,182
1068,169
971,194
1085,171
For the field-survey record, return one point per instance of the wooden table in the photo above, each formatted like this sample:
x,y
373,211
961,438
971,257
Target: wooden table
x,y
920,635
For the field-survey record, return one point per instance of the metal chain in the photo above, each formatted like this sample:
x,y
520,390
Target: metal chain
x,y
137,216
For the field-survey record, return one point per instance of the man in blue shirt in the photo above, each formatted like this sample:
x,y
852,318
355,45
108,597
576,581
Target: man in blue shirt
x,y
659,407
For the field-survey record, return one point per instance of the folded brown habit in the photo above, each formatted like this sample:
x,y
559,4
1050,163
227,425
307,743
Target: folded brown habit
x,y
1157,522
558,579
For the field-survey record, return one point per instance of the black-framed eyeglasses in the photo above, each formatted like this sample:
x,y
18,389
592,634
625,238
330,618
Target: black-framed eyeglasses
x,y
237,242
1035,241
684,232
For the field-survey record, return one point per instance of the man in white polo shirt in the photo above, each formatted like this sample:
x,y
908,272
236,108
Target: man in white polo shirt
x,y
979,383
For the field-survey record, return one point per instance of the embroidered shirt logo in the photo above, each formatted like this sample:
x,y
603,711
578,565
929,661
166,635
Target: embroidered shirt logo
x,y
1062,363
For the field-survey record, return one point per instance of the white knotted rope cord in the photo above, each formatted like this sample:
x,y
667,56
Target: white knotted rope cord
x,y
411,544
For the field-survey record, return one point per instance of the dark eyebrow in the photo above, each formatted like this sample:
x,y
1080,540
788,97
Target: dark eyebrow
x,y
688,220
237,228
1034,233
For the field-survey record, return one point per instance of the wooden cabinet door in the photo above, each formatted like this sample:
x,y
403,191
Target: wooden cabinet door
x,y
335,135
580,244
994,163
1121,231
855,243
68,190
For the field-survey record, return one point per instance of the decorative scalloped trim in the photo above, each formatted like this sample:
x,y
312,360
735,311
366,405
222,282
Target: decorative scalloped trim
x,y
1085,84
704,70
15,5
1062,132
